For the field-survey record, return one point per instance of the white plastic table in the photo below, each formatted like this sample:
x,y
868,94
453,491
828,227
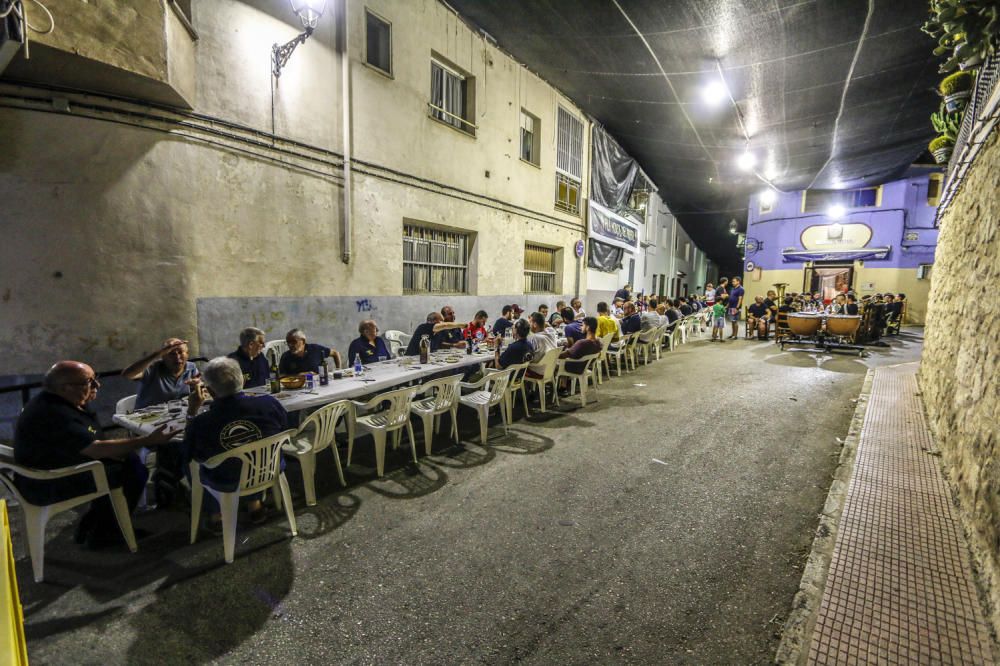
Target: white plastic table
x,y
377,377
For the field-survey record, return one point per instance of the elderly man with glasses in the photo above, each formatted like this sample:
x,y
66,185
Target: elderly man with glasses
x,y
58,429
256,371
304,356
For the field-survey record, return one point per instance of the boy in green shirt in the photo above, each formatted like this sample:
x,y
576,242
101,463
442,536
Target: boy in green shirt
x,y
718,320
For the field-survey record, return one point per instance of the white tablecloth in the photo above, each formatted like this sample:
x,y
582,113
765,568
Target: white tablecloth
x,y
377,377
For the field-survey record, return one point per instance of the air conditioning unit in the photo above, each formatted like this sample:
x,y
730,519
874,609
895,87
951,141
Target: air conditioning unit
x,y
11,32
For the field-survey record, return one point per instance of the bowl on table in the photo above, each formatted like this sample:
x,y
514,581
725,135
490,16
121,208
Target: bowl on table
x,y
293,382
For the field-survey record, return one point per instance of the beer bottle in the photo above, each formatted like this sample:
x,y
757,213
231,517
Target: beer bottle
x,y
425,349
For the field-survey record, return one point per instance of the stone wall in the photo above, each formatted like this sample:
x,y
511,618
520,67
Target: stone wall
x,y
960,369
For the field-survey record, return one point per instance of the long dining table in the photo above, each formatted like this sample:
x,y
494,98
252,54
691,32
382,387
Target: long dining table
x,y
376,377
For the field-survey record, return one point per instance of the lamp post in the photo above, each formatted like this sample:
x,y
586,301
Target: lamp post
x,y
309,12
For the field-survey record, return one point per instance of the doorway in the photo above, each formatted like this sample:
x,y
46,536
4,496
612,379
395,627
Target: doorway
x,y
829,280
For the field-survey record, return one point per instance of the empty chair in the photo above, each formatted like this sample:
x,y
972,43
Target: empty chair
x,y
37,516
394,418
488,392
548,378
148,456
260,470
318,432
443,397
126,405
396,344
618,354
273,349
579,378
515,385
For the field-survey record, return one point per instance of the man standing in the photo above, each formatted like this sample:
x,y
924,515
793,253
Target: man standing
x,y
164,375
735,306
624,293
57,429
251,360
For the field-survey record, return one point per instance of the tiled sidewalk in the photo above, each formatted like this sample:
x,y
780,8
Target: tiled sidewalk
x,y
900,588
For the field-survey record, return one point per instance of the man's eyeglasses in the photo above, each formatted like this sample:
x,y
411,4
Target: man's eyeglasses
x,y
92,382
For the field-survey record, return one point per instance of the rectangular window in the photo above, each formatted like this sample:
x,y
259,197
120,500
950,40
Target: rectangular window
x,y
450,97
567,194
569,144
434,261
539,269
934,189
378,43
818,201
530,137
687,251
765,208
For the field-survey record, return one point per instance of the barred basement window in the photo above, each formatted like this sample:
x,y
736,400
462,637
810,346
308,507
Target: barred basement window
x,y
539,269
435,261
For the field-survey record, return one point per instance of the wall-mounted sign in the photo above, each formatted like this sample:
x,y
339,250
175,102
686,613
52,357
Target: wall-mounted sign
x,y
751,266
579,248
850,236
750,245
611,228
911,236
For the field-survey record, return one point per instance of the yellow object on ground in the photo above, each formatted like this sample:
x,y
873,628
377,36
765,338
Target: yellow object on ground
x,y
13,648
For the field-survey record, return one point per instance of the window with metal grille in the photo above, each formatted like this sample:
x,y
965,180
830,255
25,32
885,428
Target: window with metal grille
x,y
378,43
450,101
820,200
434,261
539,269
569,144
530,137
567,194
934,189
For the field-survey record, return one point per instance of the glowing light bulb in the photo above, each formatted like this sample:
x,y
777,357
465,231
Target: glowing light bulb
x,y
714,93
746,161
767,197
836,211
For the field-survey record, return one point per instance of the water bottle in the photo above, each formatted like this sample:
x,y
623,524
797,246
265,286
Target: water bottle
x,y
310,381
358,368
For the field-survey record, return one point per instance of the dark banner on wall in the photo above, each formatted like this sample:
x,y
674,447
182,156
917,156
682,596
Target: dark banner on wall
x,y
604,257
612,171
611,228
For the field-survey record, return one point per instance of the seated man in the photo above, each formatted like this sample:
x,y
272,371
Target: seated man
x,y
256,370
617,309
516,352
476,330
672,313
543,310
649,319
683,306
164,375
542,339
851,307
450,338
757,317
234,418
572,329
504,321
555,319
368,346
839,304
57,429
434,325
577,305
606,323
586,346
788,305
661,312
303,356
631,321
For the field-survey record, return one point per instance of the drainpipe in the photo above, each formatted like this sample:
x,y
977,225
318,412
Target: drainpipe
x,y
345,77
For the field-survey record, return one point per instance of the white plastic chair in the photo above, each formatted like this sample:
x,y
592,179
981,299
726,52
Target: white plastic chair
x,y
488,392
515,385
260,471
619,353
126,405
37,516
580,378
316,433
548,361
443,398
676,336
602,362
392,419
631,353
148,456
273,349
395,340
645,343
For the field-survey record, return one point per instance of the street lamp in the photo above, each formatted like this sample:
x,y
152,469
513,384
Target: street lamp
x,y
309,12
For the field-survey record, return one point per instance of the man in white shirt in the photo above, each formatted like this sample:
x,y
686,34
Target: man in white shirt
x,y
709,294
542,339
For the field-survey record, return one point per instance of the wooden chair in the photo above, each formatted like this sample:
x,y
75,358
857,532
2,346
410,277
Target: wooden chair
x,y
781,329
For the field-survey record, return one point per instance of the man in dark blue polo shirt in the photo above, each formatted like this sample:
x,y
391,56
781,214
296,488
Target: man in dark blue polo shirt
x,y
368,346
234,418
253,363
433,328
57,429
450,338
631,322
304,356
519,350
504,322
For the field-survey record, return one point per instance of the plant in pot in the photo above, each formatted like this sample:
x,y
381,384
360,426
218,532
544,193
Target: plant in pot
x,y
956,89
967,31
947,123
941,147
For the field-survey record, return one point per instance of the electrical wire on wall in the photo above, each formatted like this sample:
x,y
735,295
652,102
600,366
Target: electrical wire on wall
x,y
17,7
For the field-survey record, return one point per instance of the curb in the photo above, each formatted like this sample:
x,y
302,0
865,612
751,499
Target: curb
x,y
796,633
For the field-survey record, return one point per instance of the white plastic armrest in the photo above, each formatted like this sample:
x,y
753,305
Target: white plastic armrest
x,y
94,467
477,384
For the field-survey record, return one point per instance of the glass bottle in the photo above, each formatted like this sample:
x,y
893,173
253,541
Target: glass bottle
x,y
425,349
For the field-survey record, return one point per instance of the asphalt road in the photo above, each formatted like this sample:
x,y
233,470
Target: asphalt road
x,y
666,523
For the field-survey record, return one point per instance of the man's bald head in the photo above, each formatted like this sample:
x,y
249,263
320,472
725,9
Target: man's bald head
x,y
64,372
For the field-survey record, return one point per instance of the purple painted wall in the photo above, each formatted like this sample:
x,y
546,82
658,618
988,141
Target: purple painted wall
x,y
904,222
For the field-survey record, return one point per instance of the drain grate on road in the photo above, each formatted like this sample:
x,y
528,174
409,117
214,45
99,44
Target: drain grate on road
x,y
900,585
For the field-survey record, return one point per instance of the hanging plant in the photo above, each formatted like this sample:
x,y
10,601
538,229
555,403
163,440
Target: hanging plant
x,y
941,147
967,31
956,89
947,123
